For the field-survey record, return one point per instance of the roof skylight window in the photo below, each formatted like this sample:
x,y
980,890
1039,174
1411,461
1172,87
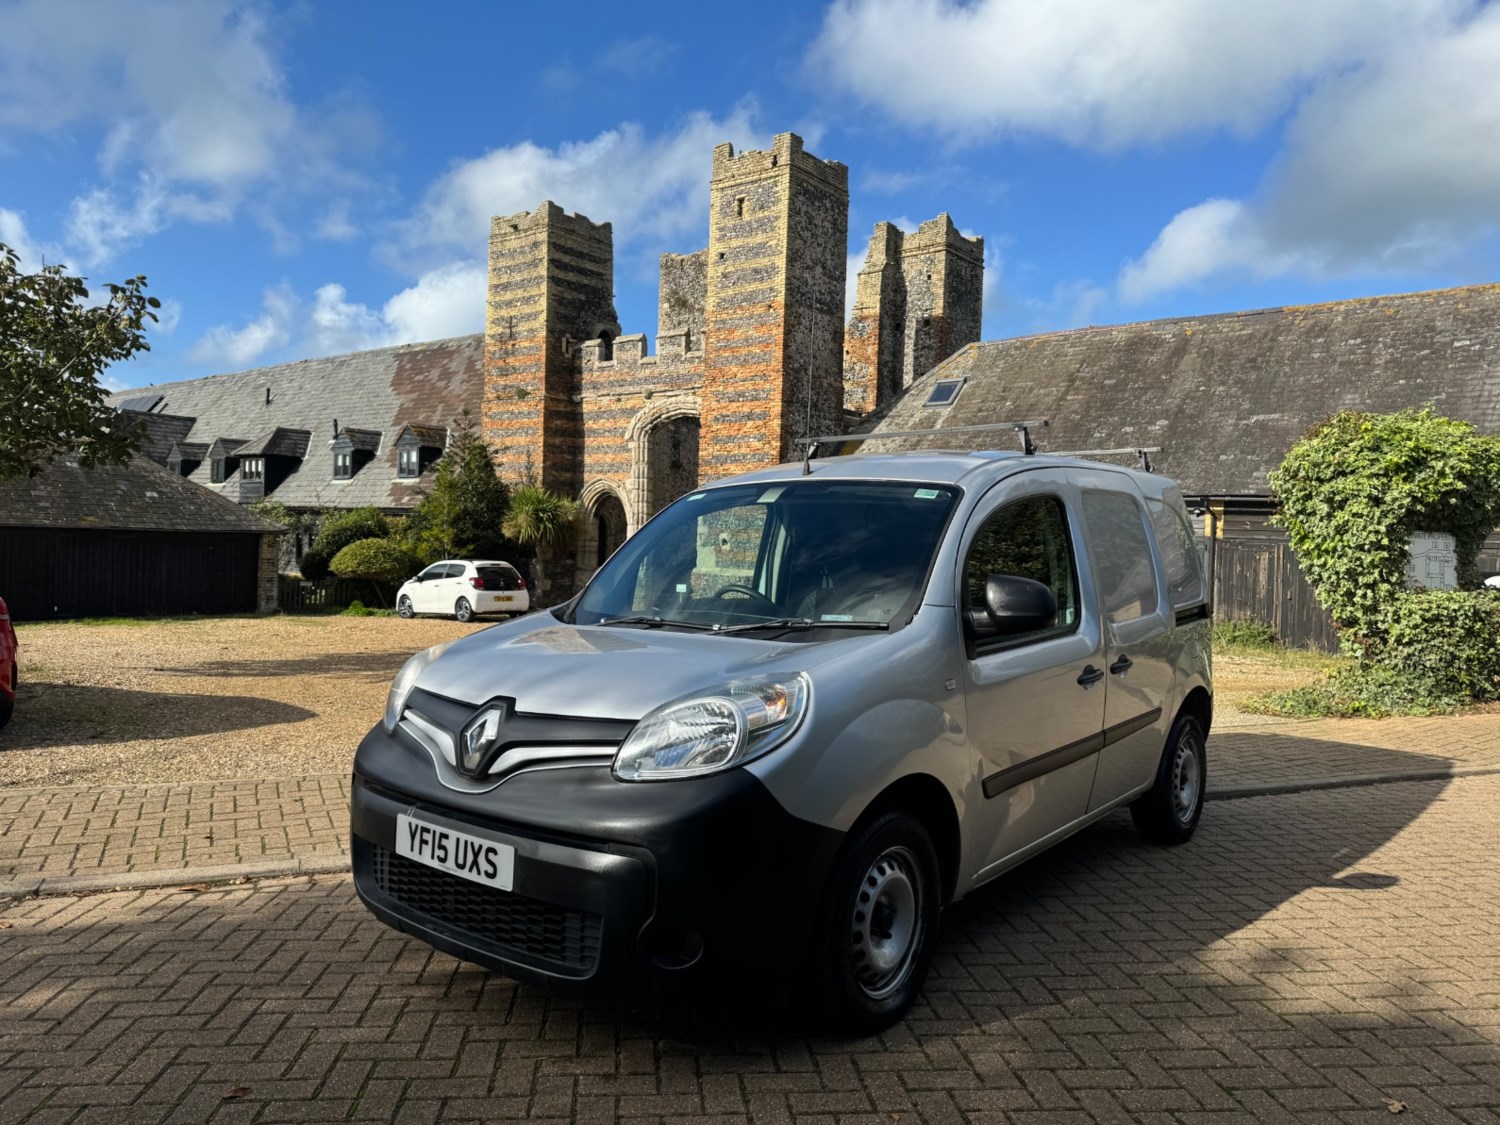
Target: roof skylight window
x,y
944,391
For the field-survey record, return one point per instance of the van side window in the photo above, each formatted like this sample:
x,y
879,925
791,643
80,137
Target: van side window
x,y
1122,555
1028,539
1179,553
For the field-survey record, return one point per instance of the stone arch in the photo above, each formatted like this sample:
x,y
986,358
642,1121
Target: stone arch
x,y
605,525
649,478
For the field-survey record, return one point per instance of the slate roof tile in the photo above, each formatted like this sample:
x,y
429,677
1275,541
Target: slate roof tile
x,y
1225,395
140,495
379,391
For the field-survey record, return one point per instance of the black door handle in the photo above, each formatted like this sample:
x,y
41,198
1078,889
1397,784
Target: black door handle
x,y
1090,676
1120,666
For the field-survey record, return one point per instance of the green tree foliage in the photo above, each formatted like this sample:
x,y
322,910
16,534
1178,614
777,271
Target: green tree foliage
x,y
336,530
1355,488
1352,492
541,518
462,516
53,346
339,529
378,560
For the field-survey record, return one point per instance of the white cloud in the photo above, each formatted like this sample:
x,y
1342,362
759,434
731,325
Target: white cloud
x,y
168,317
1099,72
239,347
192,102
14,234
448,301
1391,167
648,186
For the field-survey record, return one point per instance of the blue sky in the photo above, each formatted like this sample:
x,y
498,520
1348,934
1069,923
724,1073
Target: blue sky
x,y
308,178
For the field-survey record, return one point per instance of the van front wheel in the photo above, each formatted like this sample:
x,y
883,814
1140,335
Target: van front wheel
x,y
1168,812
879,923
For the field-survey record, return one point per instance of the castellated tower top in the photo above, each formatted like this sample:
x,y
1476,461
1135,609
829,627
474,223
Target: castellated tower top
x,y
786,153
548,214
941,234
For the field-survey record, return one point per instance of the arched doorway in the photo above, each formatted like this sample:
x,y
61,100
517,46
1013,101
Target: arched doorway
x,y
609,527
671,461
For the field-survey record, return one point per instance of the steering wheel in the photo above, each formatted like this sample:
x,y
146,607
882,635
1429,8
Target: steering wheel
x,y
744,591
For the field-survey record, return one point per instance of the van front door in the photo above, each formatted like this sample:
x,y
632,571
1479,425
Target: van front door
x,y
1138,640
1035,700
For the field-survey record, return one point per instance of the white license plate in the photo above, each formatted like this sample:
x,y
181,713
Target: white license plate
x,y
458,853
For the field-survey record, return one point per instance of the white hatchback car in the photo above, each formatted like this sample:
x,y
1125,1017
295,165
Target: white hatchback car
x,y
463,589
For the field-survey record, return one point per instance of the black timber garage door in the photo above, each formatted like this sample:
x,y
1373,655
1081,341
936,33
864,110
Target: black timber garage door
x,y
46,574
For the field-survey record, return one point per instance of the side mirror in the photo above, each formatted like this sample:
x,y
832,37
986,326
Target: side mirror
x,y
1012,606
421,577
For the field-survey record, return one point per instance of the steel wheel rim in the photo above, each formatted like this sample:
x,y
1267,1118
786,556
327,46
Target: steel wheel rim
x,y
887,923
1187,780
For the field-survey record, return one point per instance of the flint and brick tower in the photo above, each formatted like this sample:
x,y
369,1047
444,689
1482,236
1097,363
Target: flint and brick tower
x,y
943,274
551,286
875,341
773,362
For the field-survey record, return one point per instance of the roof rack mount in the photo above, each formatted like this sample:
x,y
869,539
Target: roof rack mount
x,y
1023,428
1142,451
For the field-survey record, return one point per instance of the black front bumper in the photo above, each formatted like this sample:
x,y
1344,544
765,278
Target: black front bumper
x,y
621,886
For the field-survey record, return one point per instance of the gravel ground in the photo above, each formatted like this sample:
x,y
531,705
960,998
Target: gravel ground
x,y
273,698
217,698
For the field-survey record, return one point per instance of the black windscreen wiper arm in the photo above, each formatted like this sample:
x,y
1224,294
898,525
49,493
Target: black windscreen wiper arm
x,y
653,622
802,623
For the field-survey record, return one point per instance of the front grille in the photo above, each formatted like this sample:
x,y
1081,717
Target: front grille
x,y
506,922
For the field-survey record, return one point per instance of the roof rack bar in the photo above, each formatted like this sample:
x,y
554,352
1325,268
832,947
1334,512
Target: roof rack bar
x,y
1022,428
1142,451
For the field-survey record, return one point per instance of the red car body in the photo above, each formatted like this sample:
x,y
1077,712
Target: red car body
x,y
7,664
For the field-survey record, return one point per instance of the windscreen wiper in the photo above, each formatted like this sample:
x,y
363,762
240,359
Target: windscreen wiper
x,y
802,623
653,622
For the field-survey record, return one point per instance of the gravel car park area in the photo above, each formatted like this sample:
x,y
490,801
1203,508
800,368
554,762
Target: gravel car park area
x,y
195,700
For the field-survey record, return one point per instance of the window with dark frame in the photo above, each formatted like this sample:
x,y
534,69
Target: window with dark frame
x,y
216,474
408,462
343,465
253,468
1028,539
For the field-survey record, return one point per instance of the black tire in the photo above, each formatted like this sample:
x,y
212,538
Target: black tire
x,y
403,607
463,610
855,994
1169,811
7,704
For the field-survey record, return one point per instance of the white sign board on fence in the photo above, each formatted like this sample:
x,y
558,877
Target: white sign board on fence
x,y
1432,562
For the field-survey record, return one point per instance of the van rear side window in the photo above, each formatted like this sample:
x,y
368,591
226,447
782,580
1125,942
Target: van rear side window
x,y
1122,555
1179,553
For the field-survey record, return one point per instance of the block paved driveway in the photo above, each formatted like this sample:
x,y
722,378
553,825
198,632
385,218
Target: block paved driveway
x,y
1325,956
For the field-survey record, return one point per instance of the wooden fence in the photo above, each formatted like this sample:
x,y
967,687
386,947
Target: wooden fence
x,y
299,595
1262,581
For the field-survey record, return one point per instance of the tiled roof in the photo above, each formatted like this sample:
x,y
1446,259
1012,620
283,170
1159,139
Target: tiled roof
x,y
280,442
159,432
435,437
367,440
1227,395
380,391
140,495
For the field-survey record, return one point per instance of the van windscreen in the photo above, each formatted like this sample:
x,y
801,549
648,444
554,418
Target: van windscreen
x,y
826,553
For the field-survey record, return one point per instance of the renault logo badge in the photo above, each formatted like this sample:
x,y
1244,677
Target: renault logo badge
x,y
478,738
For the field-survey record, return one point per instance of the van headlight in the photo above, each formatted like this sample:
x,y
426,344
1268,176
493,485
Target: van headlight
x,y
714,732
406,679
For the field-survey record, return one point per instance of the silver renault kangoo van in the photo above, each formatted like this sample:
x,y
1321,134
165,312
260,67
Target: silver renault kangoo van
x,y
793,717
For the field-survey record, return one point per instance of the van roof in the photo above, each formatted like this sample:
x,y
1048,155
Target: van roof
x,y
936,466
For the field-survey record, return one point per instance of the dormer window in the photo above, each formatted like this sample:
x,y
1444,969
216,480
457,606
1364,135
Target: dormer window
x,y
409,462
253,468
216,474
343,466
